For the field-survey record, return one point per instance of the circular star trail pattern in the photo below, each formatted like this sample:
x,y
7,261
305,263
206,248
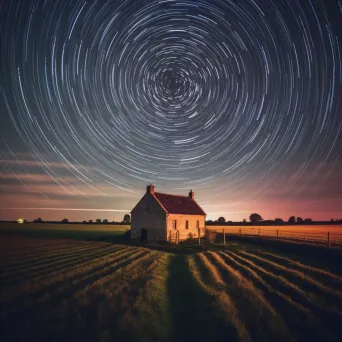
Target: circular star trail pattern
x,y
176,93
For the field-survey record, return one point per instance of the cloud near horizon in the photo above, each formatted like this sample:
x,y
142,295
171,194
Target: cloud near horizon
x,y
25,186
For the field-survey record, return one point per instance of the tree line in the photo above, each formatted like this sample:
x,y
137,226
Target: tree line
x,y
257,219
126,220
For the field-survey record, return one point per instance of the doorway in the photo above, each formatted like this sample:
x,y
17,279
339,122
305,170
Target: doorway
x,y
143,234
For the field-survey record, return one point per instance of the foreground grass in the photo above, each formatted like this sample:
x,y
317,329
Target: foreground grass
x,y
72,289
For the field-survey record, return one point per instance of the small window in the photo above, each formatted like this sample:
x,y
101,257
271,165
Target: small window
x,y
186,224
174,224
197,224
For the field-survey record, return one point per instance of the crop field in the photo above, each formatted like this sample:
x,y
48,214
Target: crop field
x,y
330,235
59,289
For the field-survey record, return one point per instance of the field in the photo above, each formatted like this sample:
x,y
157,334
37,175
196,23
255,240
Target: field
x,y
329,235
60,230
60,289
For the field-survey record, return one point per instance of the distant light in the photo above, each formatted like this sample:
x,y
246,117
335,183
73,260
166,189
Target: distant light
x,y
20,220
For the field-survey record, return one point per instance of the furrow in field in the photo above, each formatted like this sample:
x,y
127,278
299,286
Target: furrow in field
x,y
113,283
21,251
65,300
243,282
258,311
48,253
33,265
103,255
33,274
62,272
306,268
329,316
279,281
216,290
249,272
12,245
300,319
72,278
312,284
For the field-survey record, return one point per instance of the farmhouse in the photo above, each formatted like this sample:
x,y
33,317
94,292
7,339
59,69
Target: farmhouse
x,y
166,217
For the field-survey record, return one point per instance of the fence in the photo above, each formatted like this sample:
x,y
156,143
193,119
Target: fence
x,y
329,239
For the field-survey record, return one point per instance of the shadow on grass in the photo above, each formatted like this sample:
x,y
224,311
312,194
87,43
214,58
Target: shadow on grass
x,y
194,317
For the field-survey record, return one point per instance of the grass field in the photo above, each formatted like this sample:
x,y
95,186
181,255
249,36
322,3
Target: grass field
x,y
60,230
316,234
67,289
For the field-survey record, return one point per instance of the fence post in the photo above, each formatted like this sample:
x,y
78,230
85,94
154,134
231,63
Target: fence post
x,y
224,237
277,233
328,240
240,231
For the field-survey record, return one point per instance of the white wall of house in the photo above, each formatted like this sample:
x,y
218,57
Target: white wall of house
x,y
148,215
184,231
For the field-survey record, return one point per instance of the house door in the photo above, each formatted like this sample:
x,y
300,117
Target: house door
x,y
143,234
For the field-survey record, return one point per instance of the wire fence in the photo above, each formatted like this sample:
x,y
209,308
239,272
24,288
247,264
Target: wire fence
x,y
329,239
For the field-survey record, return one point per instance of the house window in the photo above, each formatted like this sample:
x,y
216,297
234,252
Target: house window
x,y
197,224
174,224
186,224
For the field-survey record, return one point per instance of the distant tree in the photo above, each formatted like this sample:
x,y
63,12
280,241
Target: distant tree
x,y
299,220
332,220
255,218
24,221
105,221
278,221
268,222
65,220
127,218
38,220
308,220
98,220
244,220
221,220
209,222
84,221
292,220
90,221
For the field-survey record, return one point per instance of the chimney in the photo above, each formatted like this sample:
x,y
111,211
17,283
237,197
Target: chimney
x,y
192,194
150,189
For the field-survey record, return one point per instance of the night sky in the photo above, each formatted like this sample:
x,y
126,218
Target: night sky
x,y
240,101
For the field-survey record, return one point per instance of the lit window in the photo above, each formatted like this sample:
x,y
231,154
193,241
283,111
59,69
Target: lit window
x,y
174,224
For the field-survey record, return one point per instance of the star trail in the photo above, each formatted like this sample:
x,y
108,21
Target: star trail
x,y
238,100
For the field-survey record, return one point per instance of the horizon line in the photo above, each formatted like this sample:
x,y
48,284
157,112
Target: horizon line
x,y
68,209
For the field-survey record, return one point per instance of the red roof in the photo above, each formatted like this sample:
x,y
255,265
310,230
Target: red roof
x,y
175,204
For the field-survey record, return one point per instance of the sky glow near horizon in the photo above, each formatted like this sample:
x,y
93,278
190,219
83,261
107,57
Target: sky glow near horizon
x,y
239,101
